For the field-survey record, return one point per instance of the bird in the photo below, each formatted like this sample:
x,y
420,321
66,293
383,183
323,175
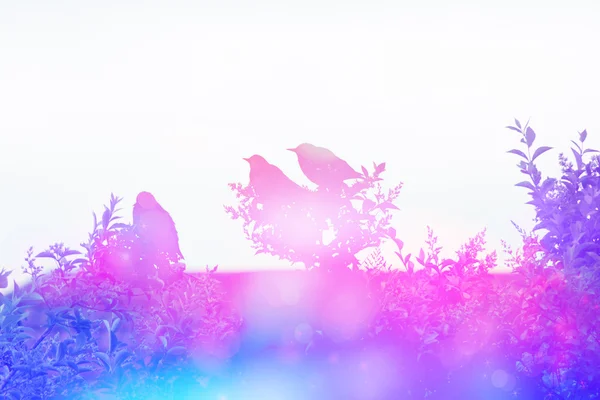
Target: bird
x,y
322,167
271,185
155,226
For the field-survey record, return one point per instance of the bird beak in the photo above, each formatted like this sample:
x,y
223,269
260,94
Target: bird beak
x,y
246,159
294,150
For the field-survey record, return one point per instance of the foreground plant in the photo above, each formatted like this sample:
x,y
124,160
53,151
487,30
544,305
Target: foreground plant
x,y
113,321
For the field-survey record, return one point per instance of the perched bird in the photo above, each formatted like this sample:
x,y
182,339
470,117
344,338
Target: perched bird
x,y
323,167
271,185
155,226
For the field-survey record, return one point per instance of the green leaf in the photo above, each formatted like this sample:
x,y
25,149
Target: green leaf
x,y
430,338
399,243
114,342
121,356
582,136
367,205
33,296
364,171
115,324
104,358
529,136
387,205
399,255
46,254
80,340
519,153
15,394
61,350
539,151
513,128
73,366
105,218
578,159
176,351
590,151
164,341
447,262
12,319
70,253
526,184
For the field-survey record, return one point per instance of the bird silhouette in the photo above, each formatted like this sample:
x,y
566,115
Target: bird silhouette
x,y
271,185
155,226
322,167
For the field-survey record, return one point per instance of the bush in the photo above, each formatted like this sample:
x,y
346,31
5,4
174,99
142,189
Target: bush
x,y
532,335
111,322
121,320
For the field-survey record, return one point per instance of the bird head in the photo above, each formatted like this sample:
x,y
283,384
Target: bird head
x,y
304,149
146,200
256,160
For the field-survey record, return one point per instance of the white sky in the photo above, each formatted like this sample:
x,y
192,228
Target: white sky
x,y
129,96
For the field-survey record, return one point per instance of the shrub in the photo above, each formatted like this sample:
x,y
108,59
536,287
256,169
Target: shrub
x,y
113,321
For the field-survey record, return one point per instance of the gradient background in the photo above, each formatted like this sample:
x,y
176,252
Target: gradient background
x,y
101,97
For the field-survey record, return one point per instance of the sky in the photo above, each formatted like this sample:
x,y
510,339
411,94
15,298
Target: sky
x,y
169,97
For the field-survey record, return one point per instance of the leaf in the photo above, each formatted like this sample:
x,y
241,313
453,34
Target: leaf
x,y
164,341
430,338
399,256
61,350
576,145
121,356
519,153
103,357
368,205
105,218
582,136
446,263
365,172
176,351
46,254
399,243
379,168
80,340
529,136
172,313
16,291
115,324
67,253
578,159
590,151
539,151
15,394
526,184
84,369
33,296
517,123
520,367
387,205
